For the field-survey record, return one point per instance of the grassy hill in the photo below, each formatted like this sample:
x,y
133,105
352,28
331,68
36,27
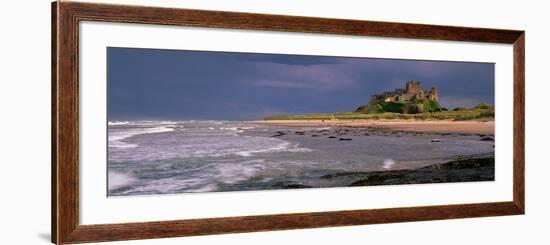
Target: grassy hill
x,y
407,107
419,110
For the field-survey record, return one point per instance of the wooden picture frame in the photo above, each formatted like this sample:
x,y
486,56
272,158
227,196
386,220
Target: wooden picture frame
x,y
65,121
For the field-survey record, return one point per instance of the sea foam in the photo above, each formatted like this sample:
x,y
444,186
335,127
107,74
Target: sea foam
x,y
388,163
118,180
116,139
114,123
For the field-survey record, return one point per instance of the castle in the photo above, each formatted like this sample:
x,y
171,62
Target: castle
x,y
413,90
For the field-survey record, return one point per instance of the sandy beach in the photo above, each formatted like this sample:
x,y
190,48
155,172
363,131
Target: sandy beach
x,y
464,127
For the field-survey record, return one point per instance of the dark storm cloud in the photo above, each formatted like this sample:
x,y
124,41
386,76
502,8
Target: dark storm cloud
x,y
288,59
169,84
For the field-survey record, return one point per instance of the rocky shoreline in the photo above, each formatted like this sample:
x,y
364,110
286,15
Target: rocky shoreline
x,y
466,169
461,169
346,133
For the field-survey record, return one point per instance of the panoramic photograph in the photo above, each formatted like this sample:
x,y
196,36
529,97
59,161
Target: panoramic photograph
x,y
182,121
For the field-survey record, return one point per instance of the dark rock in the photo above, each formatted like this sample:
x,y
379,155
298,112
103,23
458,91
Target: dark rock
x,y
289,185
460,170
345,174
344,139
487,139
435,141
278,134
332,137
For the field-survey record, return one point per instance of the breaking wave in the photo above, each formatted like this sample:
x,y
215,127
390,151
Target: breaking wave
x,y
116,138
114,123
388,164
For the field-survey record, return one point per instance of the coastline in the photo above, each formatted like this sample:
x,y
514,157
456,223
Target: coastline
x,y
259,156
466,169
436,126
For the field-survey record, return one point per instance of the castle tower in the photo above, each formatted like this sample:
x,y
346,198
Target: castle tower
x,y
434,94
408,87
413,87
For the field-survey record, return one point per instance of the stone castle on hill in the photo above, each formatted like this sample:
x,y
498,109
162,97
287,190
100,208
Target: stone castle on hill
x,y
413,90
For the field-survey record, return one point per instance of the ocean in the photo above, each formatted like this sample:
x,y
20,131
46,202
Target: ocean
x,y
168,157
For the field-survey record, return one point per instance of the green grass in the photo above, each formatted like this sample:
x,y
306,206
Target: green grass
x,y
408,107
463,114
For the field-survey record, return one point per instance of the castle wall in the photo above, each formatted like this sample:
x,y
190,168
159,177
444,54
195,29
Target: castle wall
x,y
413,90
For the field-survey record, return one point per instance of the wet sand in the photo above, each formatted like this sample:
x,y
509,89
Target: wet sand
x,y
441,126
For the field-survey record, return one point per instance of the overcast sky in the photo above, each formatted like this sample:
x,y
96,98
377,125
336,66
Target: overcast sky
x,y
174,84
